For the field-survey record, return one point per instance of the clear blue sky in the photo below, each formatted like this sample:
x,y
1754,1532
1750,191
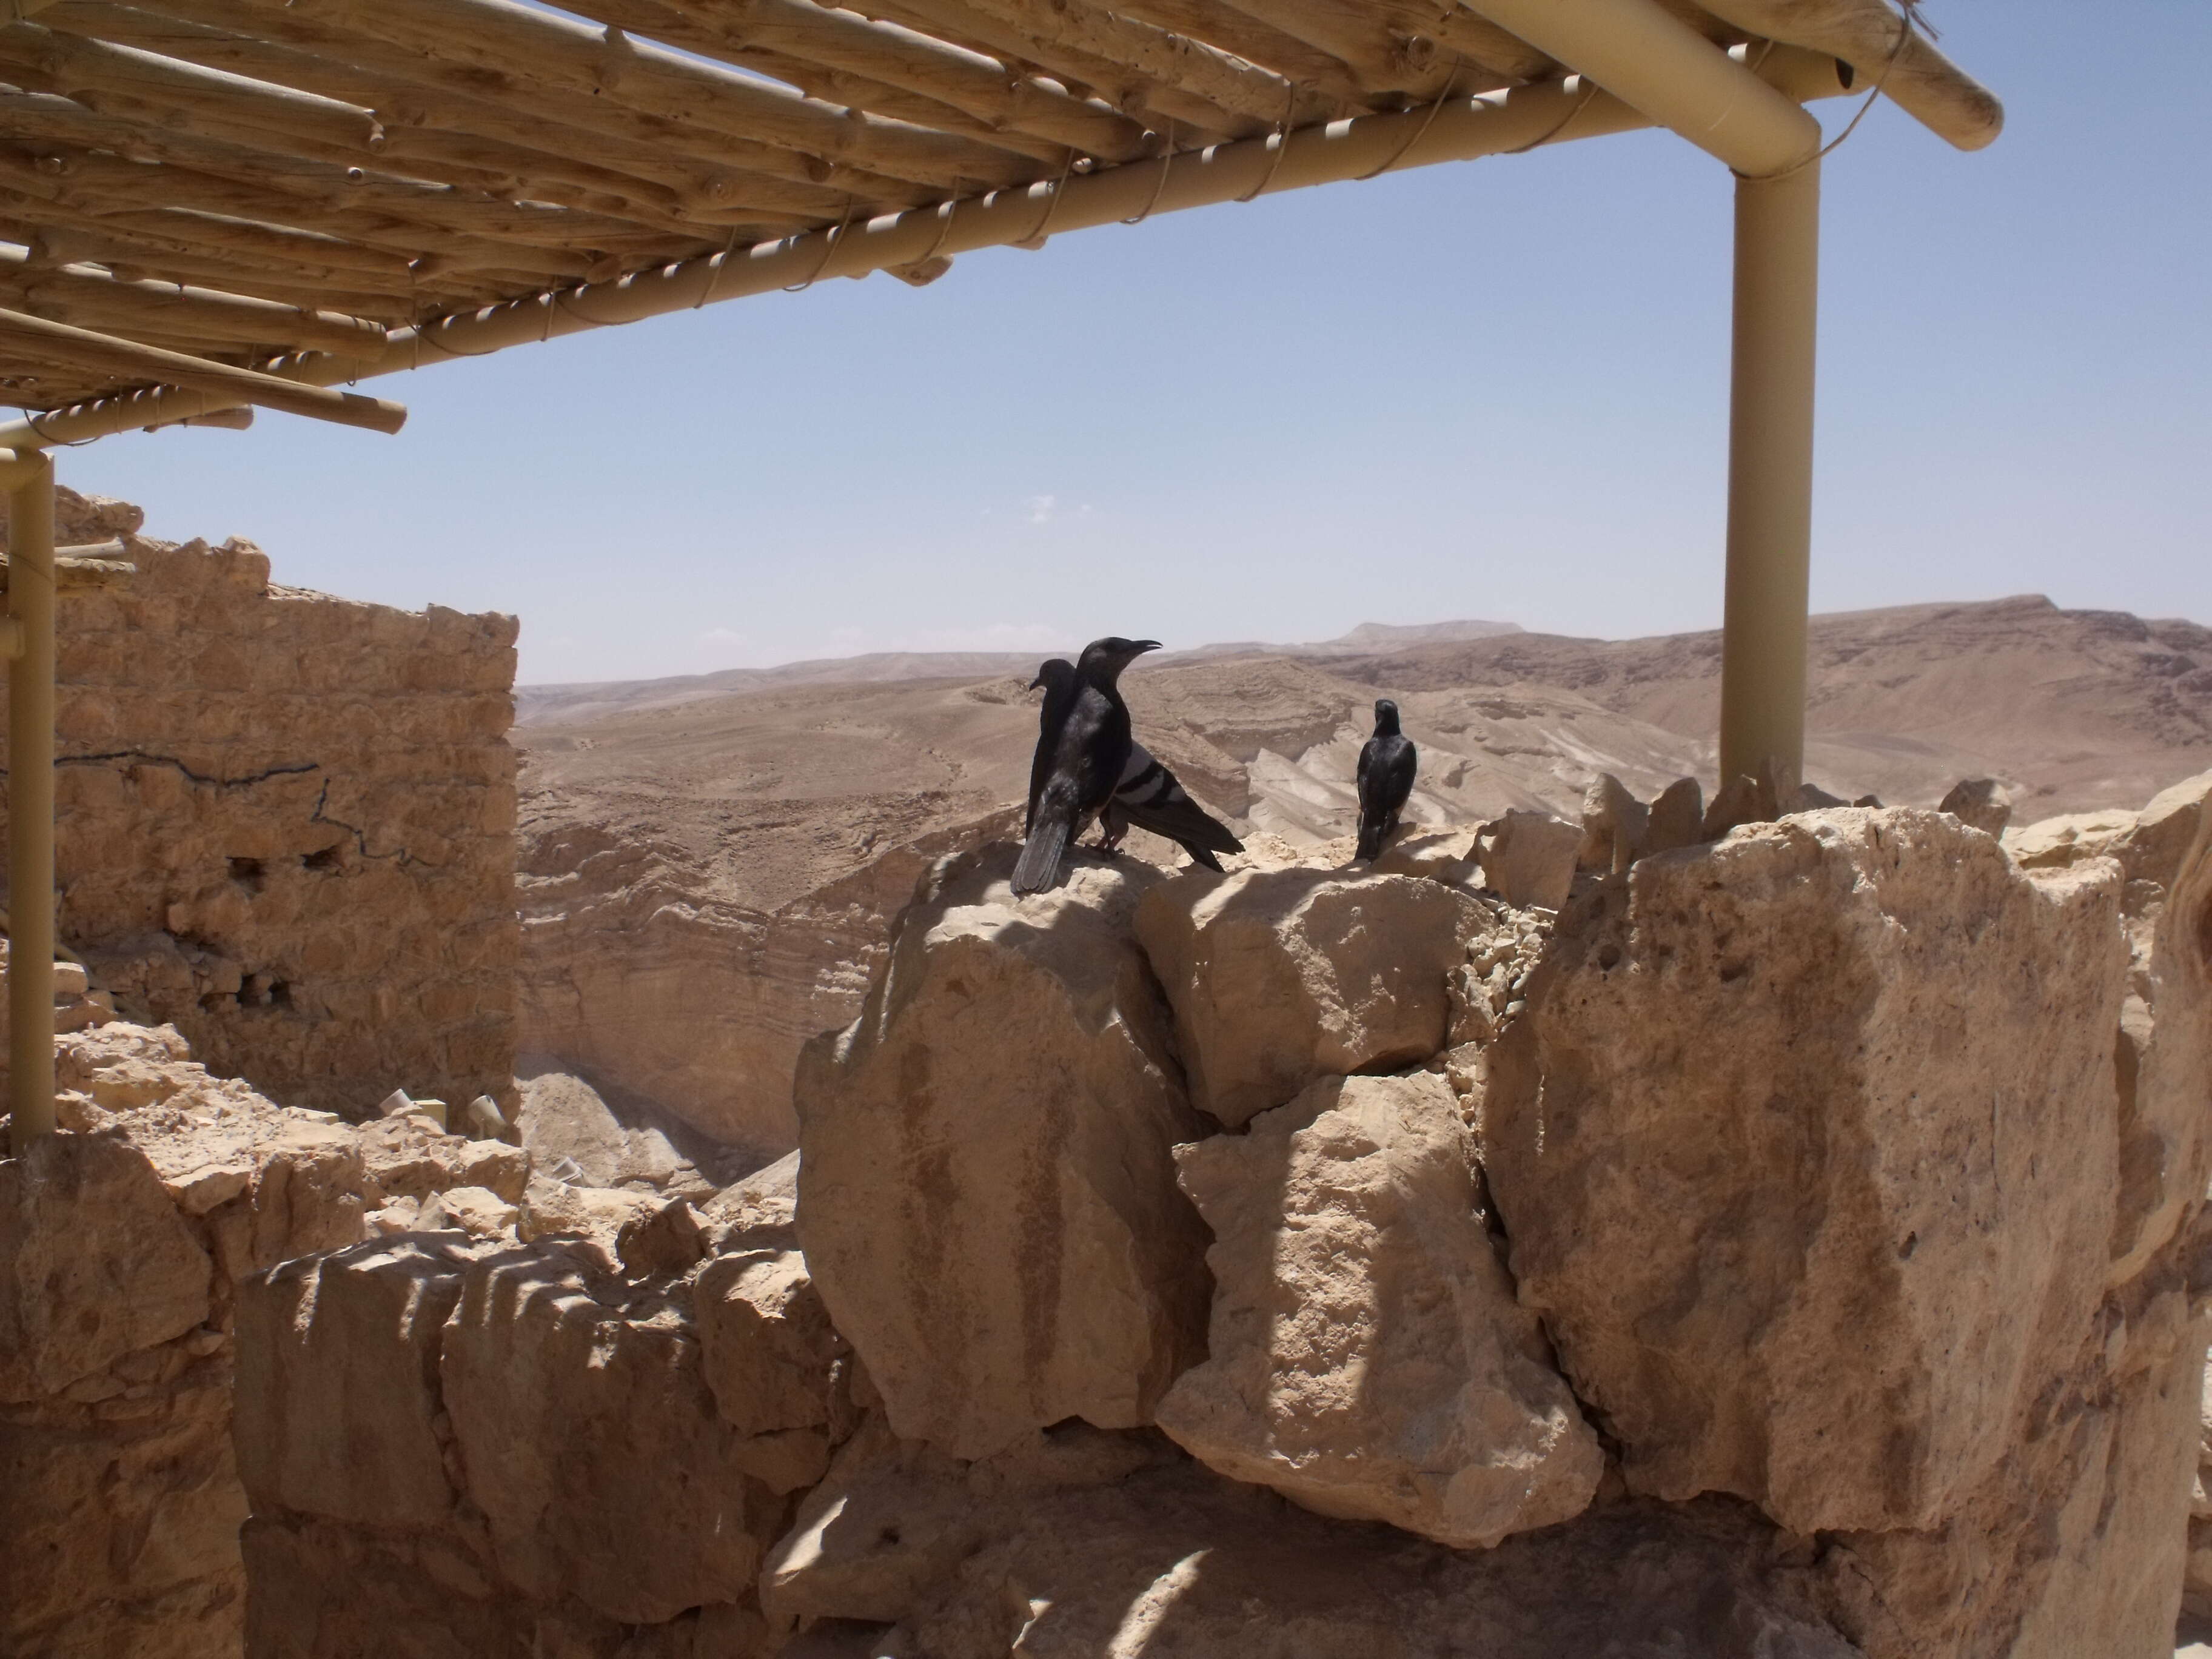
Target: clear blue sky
x,y
1495,389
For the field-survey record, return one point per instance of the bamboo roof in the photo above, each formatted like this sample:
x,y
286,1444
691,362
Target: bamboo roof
x,y
317,190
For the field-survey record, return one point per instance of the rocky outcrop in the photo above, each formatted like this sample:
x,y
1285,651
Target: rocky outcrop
x,y
986,1188
1366,1356
124,1240
1280,977
1793,1135
578,1463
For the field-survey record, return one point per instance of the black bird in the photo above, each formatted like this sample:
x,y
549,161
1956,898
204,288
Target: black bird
x,y
1150,797
1057,675
1387,764
1088,751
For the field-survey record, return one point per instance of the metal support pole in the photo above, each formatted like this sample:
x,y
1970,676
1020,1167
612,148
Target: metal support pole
x,y
1770,528
31,804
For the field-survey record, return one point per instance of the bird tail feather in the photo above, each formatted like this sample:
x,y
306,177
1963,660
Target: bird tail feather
x,y
1371,839
1042,850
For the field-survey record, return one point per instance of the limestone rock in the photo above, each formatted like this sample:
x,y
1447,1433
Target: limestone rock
x,y
409,1155
1615,827
776,1364
1678,816
337,1396
560,1401
1280,977
612,1140
1983,804
555,1209
760,1212
1794,1135
665,1239
1367,1358
1529,858
1109,1550
1740,800
987,1194
476,1211
1445,855
75,1296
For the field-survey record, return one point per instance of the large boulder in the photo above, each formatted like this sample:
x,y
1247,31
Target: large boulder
x,y
1367,1358
1798,1142
987,1194
94,1262
1280,977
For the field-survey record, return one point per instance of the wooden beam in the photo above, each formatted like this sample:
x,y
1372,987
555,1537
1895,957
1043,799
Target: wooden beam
x,y
58,342
888,70
584,76
1453,27
1066,57
1384,59
422,123
1885,49
1255,40
94,299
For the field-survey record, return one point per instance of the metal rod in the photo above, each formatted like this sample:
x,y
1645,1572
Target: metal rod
x,y
31,807
1770,527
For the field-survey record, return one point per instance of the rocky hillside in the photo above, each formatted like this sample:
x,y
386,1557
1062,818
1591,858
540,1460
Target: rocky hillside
x,y
710,864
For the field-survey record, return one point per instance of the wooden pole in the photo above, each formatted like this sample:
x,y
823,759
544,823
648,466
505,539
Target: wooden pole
x,y
31,801
1770,527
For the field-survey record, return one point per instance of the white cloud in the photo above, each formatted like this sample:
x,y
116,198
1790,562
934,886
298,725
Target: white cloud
x,y
1042,508
724,637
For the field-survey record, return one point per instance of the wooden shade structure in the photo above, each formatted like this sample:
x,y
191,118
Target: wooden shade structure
x,y
203,202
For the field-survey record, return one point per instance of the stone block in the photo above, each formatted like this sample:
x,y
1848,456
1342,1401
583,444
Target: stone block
x,y
1367,1357
1280,977
338,1393
1528,858
987,1192
559,1401
1793,1136
94,1262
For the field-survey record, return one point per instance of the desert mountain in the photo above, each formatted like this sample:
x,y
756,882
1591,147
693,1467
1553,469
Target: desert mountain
x,y
709,864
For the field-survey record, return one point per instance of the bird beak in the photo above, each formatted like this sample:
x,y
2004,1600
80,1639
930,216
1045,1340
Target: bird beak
x,y
1034,684
1143,646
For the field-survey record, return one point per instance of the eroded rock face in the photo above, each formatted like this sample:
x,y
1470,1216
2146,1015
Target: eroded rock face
x,y
1366,1356
76,1297
986,1195
1796,1144
559,1400
337,1384
1280,977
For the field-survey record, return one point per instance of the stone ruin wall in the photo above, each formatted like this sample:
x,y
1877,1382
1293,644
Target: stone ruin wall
x,y
285,821
1638,1323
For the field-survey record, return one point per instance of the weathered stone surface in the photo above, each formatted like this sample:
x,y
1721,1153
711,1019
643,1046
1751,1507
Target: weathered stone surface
x,y
285,821
1445,855
555,1209
987,1194
476,1211
559,1400
1982,803
665,1239
338,1405
409,1155
760,1212
1529,858
563,1117
1280,977
1678,816
323,1591
770,1354
1366,1356
2196,1571
1812,1135
94,1262
1615,826
137,1502
1108,1551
